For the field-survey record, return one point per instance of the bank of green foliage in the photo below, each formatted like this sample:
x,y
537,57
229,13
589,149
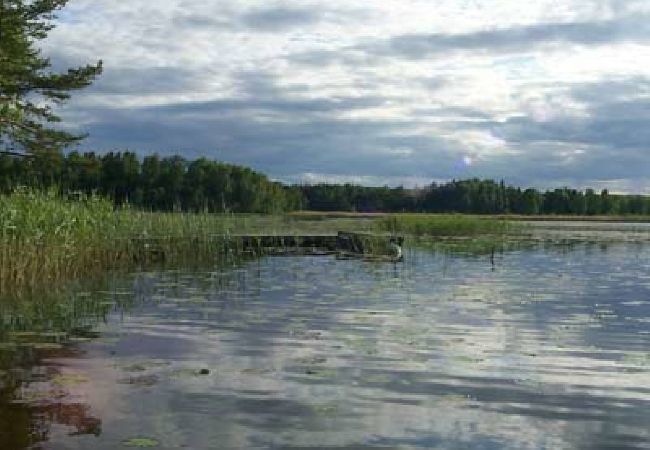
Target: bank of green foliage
x,y
447,225
152,183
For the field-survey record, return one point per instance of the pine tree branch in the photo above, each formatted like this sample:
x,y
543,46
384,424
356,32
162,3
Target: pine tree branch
x,y
20,155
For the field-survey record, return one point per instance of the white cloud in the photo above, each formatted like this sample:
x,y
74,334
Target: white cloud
x,y
439,73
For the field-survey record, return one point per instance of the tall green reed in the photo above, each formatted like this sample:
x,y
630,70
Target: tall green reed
x,y
447,225
46,238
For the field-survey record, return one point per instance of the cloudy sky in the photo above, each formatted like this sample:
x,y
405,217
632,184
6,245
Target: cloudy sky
x,y
540,93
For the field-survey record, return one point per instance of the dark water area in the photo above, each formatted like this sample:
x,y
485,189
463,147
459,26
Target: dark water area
x,y
546,347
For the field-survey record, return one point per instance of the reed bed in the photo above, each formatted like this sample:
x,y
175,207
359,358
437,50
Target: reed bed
x,y
443,225
46,239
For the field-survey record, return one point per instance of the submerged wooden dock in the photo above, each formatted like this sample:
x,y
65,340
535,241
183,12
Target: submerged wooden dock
x,y
348,244
324,242
342,244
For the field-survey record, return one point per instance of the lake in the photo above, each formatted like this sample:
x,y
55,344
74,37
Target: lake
x,y
542,347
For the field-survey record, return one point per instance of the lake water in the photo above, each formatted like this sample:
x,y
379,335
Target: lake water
x,y
546,347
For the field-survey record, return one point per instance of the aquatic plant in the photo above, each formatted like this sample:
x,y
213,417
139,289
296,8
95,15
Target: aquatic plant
x,y
140,442
443,225
46,238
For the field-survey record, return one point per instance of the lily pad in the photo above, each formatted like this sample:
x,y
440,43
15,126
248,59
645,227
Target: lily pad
x,y
69,379
140,442
142,380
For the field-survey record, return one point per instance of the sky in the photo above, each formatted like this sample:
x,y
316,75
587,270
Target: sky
x,y
544,93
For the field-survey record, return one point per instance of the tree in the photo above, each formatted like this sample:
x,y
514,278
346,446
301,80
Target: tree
x,y
28,87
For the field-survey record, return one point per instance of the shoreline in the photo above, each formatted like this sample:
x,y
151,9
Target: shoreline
x,y
512,217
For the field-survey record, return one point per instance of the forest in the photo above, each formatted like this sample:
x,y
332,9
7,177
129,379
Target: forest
x,y
152,183
174,183
473,196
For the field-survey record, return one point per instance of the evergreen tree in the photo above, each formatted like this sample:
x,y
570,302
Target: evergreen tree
x,y
28,87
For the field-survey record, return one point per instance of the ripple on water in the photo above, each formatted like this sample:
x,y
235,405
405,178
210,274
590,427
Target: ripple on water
x,y
547,349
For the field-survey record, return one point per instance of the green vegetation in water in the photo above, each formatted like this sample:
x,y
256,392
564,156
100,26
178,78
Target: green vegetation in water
x,y
140,442
473,246
140,380
142,366
29,396
69,380
443,225
457,233
46,238
51,320
326,409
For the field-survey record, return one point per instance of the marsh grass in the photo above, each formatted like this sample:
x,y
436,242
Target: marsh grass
x,y
456,233
443,225
474,246
46,239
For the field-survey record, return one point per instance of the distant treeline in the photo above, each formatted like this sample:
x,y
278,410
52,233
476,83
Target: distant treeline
x,y
153,183
472,196
174,183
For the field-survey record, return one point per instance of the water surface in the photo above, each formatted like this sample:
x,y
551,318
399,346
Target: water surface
x,y
544,347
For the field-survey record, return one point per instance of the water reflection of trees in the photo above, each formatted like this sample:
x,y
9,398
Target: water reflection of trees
x,y
30,405
40,327
35,328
